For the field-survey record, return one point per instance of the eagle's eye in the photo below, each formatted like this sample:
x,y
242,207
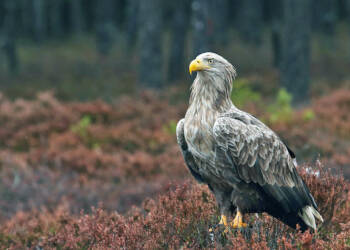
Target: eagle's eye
x,y
210,61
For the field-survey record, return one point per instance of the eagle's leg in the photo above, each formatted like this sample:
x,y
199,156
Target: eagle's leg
x,y
238,220
224,203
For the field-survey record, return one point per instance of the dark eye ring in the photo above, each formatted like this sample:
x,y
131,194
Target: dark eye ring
x,y
210,60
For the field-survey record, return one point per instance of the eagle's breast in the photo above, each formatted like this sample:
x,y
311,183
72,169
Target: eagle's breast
x,y
198,130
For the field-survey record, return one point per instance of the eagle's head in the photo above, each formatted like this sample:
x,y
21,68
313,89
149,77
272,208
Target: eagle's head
x,y
211,66
214,77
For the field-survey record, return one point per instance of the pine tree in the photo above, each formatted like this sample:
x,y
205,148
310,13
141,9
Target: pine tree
x,y
150,36
55,17
39,14
132,15
77,16
250,20
220,20
178,25
9,30
105,27
200,28
275,9
295,67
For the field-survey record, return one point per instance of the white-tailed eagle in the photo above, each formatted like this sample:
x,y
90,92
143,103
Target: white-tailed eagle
x,y
244,163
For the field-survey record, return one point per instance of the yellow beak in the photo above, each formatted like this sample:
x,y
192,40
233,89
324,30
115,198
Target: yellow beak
x,y
197,65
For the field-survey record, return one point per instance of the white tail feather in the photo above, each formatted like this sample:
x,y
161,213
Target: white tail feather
x,y
308,215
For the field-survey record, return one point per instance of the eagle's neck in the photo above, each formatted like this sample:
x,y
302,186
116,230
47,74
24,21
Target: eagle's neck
x,y
210,94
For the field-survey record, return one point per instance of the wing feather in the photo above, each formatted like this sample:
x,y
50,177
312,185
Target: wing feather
x,y
252,146
259,156
188,157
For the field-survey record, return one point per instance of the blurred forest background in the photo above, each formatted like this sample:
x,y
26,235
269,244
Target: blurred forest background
x,y
87,49
90,93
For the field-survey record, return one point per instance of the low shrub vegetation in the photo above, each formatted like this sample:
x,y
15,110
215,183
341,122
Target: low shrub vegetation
x,y
182,218
95,175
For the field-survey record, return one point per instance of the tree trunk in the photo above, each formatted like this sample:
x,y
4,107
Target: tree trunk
x,y
347,7
39,20
55,18
324,19
9,44
178,25
150,36
105,28
77,16
132,15
275,9
295,67
201,29
220,21
250,20
26,16
324,16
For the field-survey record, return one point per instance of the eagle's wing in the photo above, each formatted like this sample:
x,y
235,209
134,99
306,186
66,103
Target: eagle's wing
x,y
257,155
188,157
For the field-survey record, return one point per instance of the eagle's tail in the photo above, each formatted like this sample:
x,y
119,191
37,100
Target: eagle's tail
x,y
308,215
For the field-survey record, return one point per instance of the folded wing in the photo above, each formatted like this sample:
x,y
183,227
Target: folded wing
x,y
257,155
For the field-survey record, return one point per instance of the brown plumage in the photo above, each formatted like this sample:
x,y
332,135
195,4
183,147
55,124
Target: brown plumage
x,y
244,163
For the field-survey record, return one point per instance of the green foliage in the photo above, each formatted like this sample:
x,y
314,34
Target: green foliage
x,y
242,93
308,115
347,242
284,98
281,109
170,127
80,128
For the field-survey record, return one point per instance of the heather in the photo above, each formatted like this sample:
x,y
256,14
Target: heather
x,y
181,218
98,175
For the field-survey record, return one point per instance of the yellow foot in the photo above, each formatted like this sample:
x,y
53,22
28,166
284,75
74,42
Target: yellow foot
x,y
223,221
238,221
